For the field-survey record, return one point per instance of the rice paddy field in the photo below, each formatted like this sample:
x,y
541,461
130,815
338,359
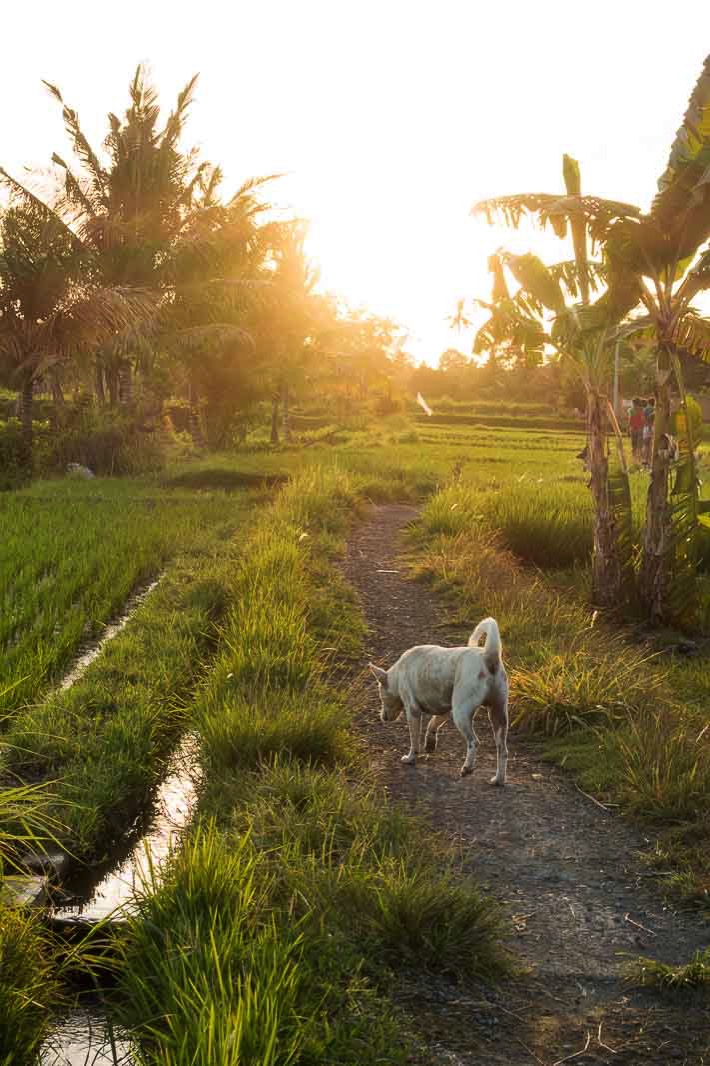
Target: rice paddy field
x,y
240,643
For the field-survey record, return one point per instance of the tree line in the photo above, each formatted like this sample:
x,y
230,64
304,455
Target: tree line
x,y
135,267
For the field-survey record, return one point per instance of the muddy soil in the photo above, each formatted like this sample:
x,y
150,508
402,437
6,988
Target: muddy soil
x,y
577,901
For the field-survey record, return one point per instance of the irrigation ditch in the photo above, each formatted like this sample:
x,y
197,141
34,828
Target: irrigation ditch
x,y
78,899
100,897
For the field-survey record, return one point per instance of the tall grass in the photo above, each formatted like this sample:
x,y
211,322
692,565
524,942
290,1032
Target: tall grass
x,y
29,986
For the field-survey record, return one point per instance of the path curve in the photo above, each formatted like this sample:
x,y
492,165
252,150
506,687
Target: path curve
x,y
575,896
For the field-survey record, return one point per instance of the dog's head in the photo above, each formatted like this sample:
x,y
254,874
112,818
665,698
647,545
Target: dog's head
x,y
392,705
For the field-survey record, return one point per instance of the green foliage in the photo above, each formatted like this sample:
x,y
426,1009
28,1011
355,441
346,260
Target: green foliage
x,y
683,980
111,442
311,892
29,988
102,742
13,468
73,552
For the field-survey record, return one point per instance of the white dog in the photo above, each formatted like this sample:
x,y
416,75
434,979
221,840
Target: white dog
x,y
433,680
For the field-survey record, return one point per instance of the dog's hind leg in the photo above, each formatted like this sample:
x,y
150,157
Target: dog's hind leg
x,y
462,715
431,737
499,723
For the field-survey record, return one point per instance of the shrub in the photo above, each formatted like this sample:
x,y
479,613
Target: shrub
x,y
108,442
13,470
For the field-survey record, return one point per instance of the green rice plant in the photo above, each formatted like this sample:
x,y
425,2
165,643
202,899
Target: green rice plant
x,y
688,978
103,742
29,986
243,732
240,984
550,526
71,558
27,819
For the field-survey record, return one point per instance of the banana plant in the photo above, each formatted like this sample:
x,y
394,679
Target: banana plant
x,y
655,264
537,320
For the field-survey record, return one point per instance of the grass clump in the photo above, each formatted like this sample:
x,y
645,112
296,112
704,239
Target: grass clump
x,y
597,683
29,987
549,526
384,881
239,733
692,977
215,972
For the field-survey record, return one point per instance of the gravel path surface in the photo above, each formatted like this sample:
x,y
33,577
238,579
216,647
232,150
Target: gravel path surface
x,y
576,898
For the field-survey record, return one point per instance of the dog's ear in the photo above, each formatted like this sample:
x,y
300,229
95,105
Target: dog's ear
x,y
379,673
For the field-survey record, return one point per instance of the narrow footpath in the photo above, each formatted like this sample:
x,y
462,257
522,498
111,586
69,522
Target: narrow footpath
x,y
577,901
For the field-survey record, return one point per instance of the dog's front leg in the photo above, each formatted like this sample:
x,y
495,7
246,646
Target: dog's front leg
x,y
414,721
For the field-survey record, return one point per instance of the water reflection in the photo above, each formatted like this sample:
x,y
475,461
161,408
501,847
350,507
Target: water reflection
x,y
86,1038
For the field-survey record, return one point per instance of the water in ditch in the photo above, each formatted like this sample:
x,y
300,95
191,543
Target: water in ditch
x,y
85,1036
112,630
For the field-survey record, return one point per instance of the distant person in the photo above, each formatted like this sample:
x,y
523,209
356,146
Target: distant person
x,y
649,425
637,421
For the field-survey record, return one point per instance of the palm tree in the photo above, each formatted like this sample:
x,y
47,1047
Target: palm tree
x,y
654,262
154,216
132,208
217,286
51,305
290,319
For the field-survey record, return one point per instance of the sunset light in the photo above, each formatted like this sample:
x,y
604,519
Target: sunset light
x,y
355,533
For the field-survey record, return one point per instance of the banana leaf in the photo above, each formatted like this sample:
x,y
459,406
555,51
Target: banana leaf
x,y
681,207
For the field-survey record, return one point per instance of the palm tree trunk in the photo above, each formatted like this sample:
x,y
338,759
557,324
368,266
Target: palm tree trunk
x,y
25,406
275,418
285,416
99,386
112,382
125,383
657,540
194,421
607,570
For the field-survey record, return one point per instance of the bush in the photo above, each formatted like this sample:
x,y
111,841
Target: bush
x,y
13,471
108,442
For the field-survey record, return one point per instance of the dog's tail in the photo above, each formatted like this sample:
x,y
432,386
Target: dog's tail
x,y
492,649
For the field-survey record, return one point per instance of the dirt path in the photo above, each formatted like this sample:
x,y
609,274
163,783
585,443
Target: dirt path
x,y
564,870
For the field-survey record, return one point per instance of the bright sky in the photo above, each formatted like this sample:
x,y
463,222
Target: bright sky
x,y
391,117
